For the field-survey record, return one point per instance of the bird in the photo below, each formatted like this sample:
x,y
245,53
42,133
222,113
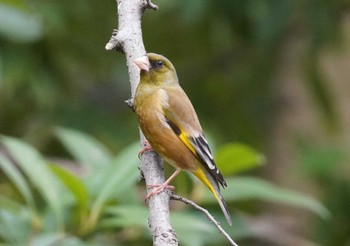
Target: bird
x,y
170,124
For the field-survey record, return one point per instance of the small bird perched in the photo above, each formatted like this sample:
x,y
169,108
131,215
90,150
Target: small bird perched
x,y
170,124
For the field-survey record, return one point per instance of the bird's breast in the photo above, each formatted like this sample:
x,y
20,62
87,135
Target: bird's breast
x,y
149,110
152,121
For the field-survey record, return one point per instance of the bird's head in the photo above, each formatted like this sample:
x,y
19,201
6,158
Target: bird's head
x,y
156,69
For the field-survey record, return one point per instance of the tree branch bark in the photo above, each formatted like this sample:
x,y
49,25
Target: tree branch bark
x,y
128,40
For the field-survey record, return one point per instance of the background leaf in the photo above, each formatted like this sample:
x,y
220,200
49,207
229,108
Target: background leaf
x,y
17,178
249,188
119,177
74,185
35,167
191,228
9,204
235,158
126,216
53,239
84,148
14,226
18,25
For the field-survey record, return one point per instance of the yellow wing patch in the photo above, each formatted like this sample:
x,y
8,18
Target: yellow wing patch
x,y
185,140
201,176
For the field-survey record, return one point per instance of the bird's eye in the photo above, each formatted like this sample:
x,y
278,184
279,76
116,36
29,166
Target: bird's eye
x,y
160,63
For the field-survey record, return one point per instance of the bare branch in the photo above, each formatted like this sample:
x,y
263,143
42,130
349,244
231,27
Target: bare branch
x,y
163,234
128,40
114,43
209,216
130,103
147,4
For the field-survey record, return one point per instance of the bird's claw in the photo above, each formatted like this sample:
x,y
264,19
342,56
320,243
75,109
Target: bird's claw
x,y
146,148
159,189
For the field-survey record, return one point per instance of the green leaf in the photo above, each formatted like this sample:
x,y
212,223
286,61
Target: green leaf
x,y
74,185
84,148
17,25
9,204
249,188
18,180
118,177
234,158
191,228
15,227
49,238
126,216
34,166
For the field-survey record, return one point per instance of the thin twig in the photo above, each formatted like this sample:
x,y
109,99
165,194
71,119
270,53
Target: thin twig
x,y
130,103
209,216
115,43
147,4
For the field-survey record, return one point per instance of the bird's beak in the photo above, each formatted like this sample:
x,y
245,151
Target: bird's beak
x,y
143,63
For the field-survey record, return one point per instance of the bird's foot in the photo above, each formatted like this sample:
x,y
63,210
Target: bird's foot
x,y
159,189
146,147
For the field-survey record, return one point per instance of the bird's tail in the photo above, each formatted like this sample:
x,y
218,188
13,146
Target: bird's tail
x,y
213,186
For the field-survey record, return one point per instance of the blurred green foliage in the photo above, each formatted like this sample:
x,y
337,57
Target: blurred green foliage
x,y
54,71
86,201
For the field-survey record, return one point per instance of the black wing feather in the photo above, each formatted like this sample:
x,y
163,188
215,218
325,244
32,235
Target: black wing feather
x,y
203,151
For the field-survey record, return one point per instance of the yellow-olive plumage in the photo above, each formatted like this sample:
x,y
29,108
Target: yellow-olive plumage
x,y
170,124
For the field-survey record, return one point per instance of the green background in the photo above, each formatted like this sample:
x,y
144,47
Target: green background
x,y
270,83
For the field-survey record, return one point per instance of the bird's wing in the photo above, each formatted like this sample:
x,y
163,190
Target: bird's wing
x,y
182,119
